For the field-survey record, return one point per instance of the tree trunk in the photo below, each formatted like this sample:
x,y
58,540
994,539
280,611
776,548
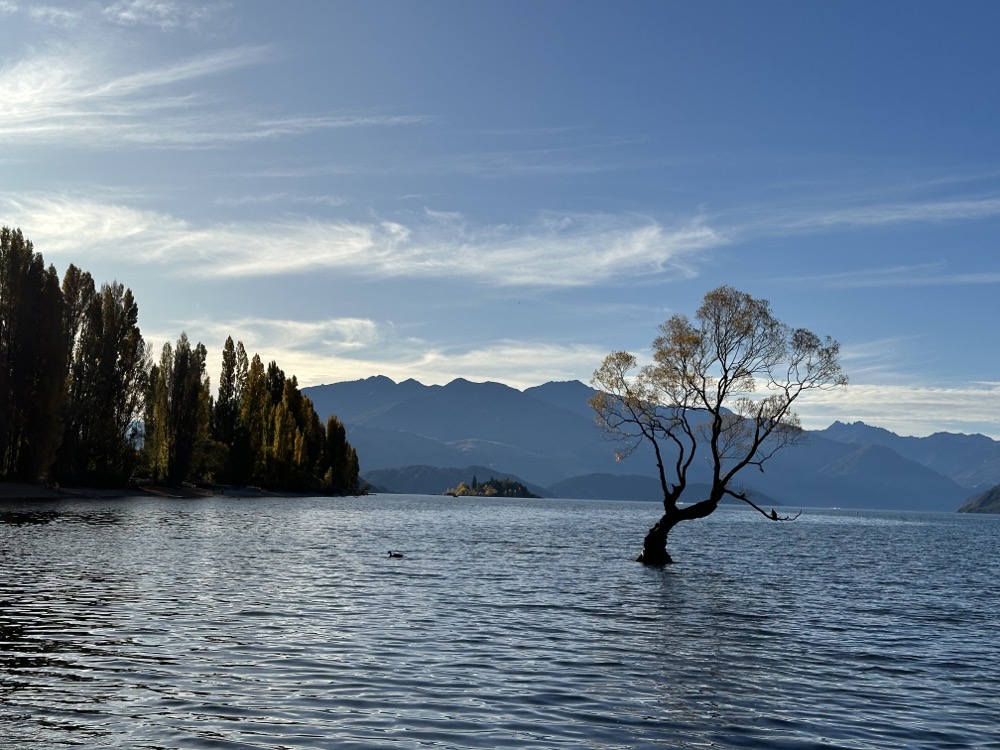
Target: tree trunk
x,y
654,546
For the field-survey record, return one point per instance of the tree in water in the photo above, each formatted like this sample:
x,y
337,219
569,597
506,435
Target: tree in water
x,y
722,387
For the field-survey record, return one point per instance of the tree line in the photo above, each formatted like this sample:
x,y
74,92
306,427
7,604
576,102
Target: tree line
x,y
83,402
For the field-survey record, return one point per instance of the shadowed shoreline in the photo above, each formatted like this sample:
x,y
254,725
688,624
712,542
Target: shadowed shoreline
x,y
14,491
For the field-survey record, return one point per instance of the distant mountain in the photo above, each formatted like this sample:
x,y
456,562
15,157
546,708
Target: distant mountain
x,y
384,449
972,461
546,438
571,395
831,474
352,400
608,487
629,487
984,502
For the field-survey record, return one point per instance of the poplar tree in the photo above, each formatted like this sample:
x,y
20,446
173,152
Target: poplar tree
x,y
239,463
190,400
157,432
254,407
107,380
178,413
226,411
340,459
32,359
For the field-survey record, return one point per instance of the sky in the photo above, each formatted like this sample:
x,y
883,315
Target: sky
x,y
508,191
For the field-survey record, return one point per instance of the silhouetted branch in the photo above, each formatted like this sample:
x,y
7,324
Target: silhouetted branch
x,y
772,516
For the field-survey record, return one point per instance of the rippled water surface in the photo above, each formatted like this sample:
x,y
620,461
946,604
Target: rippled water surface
x,y
225,623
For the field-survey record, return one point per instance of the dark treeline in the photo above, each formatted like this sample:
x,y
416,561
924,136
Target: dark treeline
x,y
82,402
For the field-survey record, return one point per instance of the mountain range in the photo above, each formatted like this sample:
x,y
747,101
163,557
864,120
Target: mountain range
x,y
412,437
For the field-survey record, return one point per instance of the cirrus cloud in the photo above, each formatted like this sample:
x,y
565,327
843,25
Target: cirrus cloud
x,y
909,409
550,251
76,98
338,349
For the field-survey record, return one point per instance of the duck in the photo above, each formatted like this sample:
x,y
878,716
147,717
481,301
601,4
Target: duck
x,y
394,553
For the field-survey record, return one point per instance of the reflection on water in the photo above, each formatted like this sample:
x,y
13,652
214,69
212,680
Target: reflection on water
x,y
228,623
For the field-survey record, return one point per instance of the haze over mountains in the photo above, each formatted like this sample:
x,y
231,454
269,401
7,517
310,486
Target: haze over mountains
x,y
412,437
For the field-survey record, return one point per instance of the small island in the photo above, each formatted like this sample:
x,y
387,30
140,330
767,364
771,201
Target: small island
x,y
491,488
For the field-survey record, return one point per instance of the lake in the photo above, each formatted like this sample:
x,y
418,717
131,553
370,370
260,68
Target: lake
x,y
283,623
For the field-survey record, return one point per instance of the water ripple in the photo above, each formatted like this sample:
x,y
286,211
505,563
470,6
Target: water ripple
x,y
523,624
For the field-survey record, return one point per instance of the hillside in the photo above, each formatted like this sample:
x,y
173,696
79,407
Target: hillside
x,y
546,437
984,502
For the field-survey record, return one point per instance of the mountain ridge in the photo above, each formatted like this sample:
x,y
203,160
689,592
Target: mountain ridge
x,y
972,461
546,435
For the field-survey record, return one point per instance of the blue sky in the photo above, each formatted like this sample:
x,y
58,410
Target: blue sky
x,y
509,190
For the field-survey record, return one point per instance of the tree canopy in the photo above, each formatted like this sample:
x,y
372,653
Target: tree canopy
x,y
722,388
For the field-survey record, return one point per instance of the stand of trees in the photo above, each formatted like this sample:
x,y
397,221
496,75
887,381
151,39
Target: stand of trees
x,y
260,430
81,401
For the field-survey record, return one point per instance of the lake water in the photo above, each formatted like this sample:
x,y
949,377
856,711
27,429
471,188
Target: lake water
x,y
264,623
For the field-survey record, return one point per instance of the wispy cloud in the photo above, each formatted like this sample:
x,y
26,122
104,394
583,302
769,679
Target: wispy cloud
x,y
519,364
897,213
589,159
880,360
166,15
553,250
792,216
332,350
59,225
51,15
922,274
161,14
884,391
75,99
70,97
908,409
323,338
550,250
282,198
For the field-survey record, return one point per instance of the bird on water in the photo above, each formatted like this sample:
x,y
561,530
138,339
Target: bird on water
x,y
394,553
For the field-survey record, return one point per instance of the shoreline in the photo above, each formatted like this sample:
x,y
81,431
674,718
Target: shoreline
x,y
21,491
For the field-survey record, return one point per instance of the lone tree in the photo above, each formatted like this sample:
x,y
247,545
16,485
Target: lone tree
x,y
721,387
